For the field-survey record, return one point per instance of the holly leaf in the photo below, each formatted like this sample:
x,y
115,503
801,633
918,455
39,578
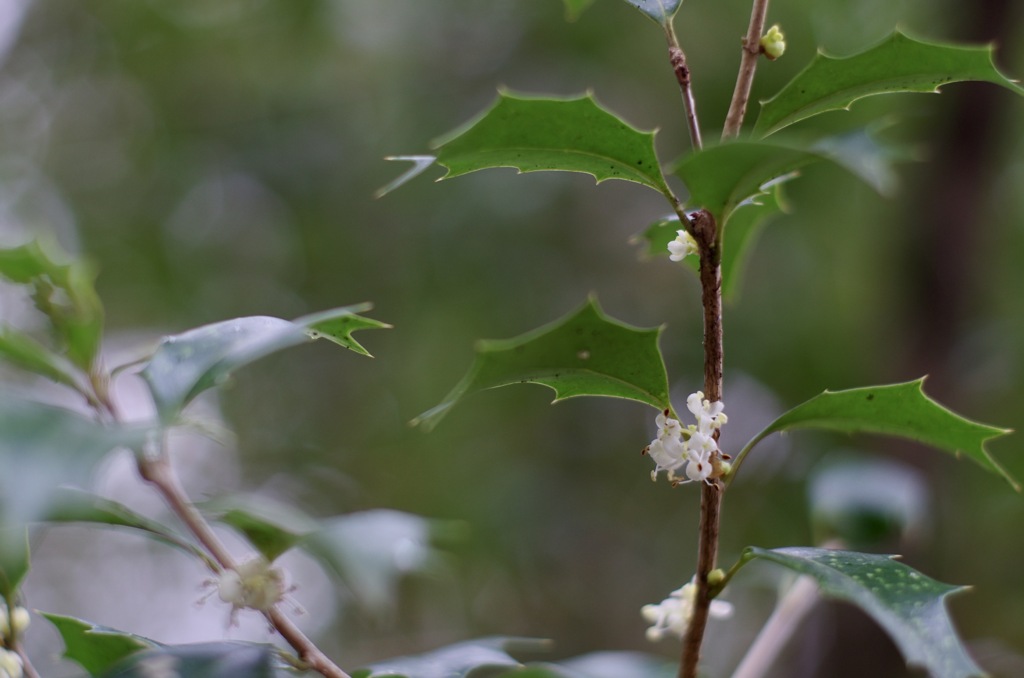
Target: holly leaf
x,y
187,364
534,134
899,64
69,505
482,658
270,526
901,410
228,659
44,447
585,353
25,352
96,648
660,11
63,292
907,604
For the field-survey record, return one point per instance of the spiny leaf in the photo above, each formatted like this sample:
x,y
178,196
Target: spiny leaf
x,y
229,659
660,11
69,505
899,64
187,364
907,604
96,648
63,292
270,526
534,134
480,658
43,447
901,410
584,353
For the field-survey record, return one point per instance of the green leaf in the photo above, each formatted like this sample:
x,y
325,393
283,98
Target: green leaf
x,y
64,293
187,364
584,353
901,410
899,64
534,134
69,505
25,352
721,178
483,658
660,11
44,447
370,552
744,225
14,560
907,604
270,526
229,659
574,8
96,648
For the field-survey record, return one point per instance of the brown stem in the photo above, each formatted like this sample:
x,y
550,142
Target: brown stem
x,y
677,58
706,233
748,65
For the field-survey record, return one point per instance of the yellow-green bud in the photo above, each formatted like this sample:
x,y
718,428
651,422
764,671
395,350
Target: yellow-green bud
x,y
773,44
716,577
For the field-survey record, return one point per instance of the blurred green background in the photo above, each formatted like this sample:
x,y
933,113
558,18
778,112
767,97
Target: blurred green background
x,y
218,159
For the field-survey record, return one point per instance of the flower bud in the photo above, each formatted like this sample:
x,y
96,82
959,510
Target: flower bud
x,y
716,576
10,664
773,44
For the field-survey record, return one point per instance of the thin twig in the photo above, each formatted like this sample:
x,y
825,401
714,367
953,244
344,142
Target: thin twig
x,y
677,58
706,233
748,65
27,670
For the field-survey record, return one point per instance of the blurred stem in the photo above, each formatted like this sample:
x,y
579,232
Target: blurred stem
x,y
795,604
677,58
748,65
706,234
27,670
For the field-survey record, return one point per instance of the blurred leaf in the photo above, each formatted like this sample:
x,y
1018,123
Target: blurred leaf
x,y
864,155
229,659
603,665
483,658
96,648
421,163
43,447
899,64
721,178
270,526
78,506
14,560
62,292
744,225
370,552
187,364
534,134
660,11
907,604
574,8
584,353
25,352
901,410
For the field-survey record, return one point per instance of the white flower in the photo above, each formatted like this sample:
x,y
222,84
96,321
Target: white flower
x,y
683,245
254,584
673,614
710,416
693,449
773,44
10,664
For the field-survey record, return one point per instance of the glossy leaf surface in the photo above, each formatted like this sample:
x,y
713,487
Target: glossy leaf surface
x,y
585,353
907,604
901,410
535,134
95,648
899,64
187,364
661,11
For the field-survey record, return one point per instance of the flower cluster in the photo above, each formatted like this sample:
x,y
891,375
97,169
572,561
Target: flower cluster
x,y
683,246
673,614
693,449
12,624
773,44
253,584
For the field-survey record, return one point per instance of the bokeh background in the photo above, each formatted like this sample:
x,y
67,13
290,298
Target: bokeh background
x,y
218,159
